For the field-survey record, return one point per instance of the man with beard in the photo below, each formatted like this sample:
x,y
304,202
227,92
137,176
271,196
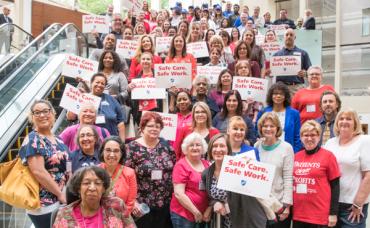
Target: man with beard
x,y
296,82
330,105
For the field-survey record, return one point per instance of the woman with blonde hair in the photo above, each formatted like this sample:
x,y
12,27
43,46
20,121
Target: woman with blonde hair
x,y
146,44
216,41
351,148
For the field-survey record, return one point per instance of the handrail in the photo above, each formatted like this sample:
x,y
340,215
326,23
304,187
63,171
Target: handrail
x,y
33,42
37,53
17,26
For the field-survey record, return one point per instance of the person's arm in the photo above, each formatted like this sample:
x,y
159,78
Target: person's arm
x,y
122,131
131,198
133,66
179,190
123,84
288,163
297,138
36,165
334,201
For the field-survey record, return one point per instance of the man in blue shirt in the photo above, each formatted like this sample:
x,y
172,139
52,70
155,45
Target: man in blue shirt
x,y
245,10
284,20
296,82
227,13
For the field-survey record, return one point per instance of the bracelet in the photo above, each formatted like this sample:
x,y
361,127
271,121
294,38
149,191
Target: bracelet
x,y
357,206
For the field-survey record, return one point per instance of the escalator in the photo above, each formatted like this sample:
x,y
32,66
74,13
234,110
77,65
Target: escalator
x,y
39,76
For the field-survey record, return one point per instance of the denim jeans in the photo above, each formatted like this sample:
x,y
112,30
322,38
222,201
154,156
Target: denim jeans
x,y
181,222
344,212
41,221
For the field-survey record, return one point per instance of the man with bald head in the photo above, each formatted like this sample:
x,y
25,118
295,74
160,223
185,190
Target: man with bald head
x,y
295,82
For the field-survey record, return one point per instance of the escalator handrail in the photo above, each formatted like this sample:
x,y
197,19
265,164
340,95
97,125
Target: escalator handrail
x,y
17,26
33,42
64,27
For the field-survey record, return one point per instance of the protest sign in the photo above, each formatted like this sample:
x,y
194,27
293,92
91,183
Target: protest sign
x,y
126,48
145,89
169,126
279,29
197,49
248,87
95,23
270,49
136,6
211,72
285,65
174,74
73,99
247,177
76,66
260,39
162,44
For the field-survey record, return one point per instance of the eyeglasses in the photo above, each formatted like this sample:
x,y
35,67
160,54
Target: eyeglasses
x,y
108,150
310,135
45,112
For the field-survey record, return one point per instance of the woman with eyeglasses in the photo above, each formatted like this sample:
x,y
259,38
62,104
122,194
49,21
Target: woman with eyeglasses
x,y
153,160
46,156
123,178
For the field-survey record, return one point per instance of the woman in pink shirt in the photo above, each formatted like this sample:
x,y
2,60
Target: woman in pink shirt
x,y
189,203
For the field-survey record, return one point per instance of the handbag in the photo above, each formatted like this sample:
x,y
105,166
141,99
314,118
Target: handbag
x,y
19,187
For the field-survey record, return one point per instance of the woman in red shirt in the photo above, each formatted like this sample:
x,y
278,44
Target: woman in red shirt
x,y
145,45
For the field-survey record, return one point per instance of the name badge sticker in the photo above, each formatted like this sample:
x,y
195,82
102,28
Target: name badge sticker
x,y
156,175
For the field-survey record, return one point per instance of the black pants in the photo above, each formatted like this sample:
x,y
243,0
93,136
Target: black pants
x,y
157,217
298,224
282,224
41,221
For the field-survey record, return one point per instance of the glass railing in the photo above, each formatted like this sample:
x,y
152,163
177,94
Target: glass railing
x,y
25,49
13,39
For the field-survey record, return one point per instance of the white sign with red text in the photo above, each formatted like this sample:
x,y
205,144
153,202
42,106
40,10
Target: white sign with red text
x,y
285,65
279,29
169,126
211,72
260,39
162,44
198,49
145,89
248,177
270,49
76,66
73,99
174,74
126,48
249,87
95,23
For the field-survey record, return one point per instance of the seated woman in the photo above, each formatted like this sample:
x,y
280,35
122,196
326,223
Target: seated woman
x,y
123,178
88,141
233,106
189,202
92,208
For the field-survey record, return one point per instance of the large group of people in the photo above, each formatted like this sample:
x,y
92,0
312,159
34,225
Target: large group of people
x,y
318,149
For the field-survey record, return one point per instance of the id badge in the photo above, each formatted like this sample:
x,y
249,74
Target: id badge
x,y
297,53
157,174
311,108
100,119
301,188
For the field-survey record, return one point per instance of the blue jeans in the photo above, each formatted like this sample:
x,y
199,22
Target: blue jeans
x,y
181,222
41,221
344,212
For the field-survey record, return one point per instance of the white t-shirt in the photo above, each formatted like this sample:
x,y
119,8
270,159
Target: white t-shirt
x,y
352,159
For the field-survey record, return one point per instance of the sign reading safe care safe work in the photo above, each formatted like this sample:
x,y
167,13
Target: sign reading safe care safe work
x,y
126,48
285,65
175,74
95,23
248,87
76,66
248,177
145,89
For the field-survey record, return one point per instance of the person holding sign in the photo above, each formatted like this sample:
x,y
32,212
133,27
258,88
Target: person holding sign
x,y
316,178
278,101
217,42
223,86
144,105
243,52
177,54
351,148
109,64
145,45
189,203
201,124
153,160
279,153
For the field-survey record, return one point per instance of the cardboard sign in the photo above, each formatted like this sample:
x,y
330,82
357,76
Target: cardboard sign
x,y
170,126
270,49
135,5
76,66
162,44
260,39
245,177
248,87
97,23
126,48
73,99
211,72
198,49
285,65
228,30
279,29
145,89
174,74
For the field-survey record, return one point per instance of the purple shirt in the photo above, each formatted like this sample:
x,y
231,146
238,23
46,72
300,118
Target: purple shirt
x,y
218,97
69,135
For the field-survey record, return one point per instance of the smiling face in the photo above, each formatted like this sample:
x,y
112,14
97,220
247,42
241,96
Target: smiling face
x,y
346,124
183,29
146,60
236,133
42,116
152,129
146,44
278,97
179,43
270,37
232,104
112,153
269,129
215,56
200,115
195,30
314,77
226,79
87,139
87,114
98,85
201,87
194,150
108,60
219,149
109,42
310,139
243,70
183,102
248,37
91,189
242,51
329,105
127,34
